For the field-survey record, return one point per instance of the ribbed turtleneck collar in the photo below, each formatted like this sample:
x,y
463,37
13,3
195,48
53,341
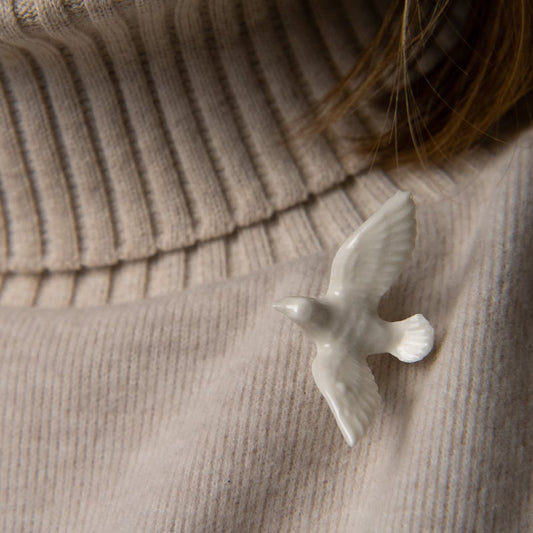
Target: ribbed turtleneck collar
x,y
131,128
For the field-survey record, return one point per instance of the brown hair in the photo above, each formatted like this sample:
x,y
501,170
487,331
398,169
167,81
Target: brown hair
x,y
442,110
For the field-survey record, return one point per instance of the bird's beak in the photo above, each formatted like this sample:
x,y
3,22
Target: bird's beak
x,y
284,306
297,308
277,305
308,313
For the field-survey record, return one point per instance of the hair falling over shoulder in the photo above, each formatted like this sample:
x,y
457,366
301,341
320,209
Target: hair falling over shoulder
x,y
443,72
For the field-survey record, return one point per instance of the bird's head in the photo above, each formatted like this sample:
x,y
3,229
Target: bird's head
x,y
310,314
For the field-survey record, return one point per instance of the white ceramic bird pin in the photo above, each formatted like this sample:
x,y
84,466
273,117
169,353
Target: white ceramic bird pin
x,y
345,324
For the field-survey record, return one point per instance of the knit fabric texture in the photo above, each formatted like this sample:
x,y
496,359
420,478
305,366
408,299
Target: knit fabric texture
x,y
154,202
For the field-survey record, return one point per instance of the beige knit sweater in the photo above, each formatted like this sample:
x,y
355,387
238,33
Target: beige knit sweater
x,y
153,204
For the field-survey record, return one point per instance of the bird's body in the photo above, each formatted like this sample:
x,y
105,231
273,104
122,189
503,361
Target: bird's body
x,y
345,324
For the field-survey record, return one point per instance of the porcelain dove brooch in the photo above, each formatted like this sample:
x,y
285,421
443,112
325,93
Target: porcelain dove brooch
x,y
345,324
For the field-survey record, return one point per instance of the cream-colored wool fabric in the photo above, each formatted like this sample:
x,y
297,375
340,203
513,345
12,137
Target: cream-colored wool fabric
x,y
154,205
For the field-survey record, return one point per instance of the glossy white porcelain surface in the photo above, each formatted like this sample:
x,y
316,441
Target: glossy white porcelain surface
x,y
345,324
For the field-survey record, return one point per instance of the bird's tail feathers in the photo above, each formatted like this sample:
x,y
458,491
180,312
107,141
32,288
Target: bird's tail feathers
x,y
413,337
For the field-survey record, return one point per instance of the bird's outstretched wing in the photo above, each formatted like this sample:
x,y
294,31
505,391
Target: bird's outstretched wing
x,y
348,385
371,259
